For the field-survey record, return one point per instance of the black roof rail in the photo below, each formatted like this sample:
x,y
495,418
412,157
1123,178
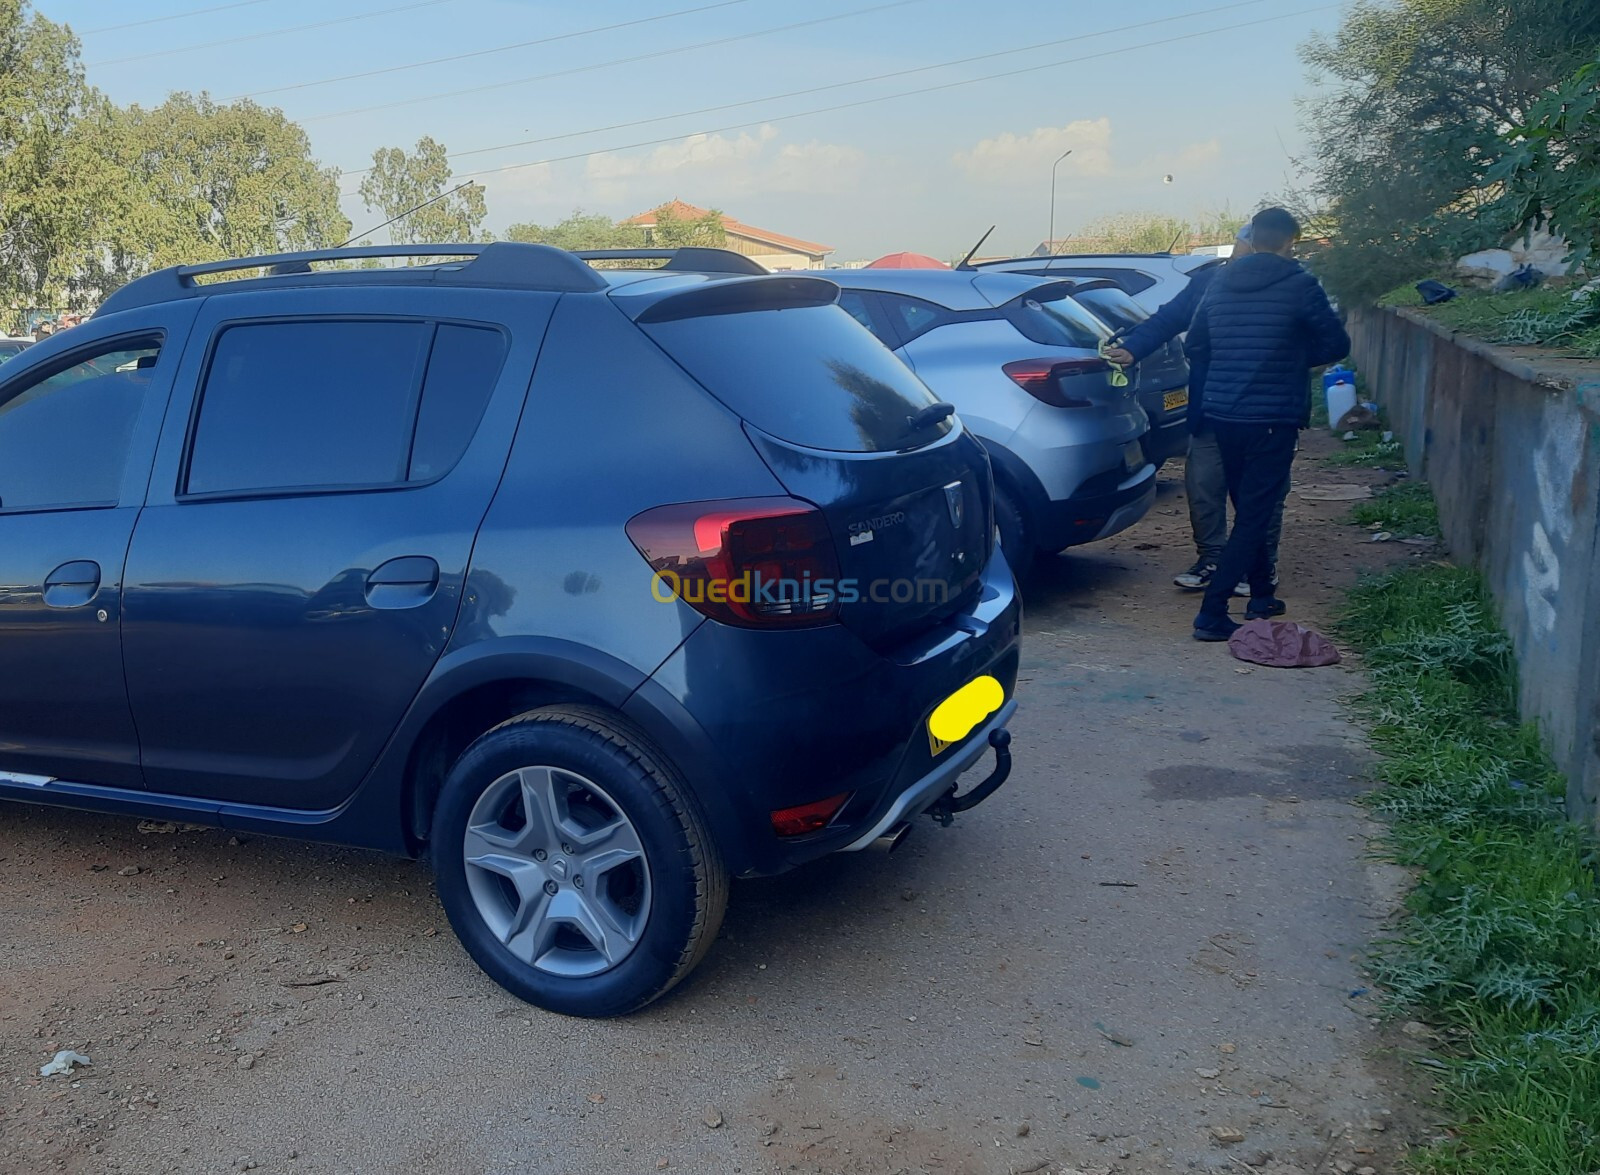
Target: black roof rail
x,y
511,264
693,258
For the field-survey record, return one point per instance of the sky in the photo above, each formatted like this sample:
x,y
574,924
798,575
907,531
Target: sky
x,y
611,110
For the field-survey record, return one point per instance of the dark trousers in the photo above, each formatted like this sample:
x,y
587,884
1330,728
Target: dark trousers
x,y
1206,485
1256,459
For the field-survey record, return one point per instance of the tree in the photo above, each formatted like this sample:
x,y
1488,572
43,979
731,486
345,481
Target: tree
x,y
672,231
1414,96
1135,232
415,188
1552,170
581,230
42,94
200,181
1219,226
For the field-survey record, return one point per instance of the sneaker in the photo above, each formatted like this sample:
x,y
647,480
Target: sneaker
x,y
1206,629
1264,607
1242,588
1197,578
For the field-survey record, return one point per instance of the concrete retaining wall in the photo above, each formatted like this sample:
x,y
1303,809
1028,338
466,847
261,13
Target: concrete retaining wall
x,y
1510,441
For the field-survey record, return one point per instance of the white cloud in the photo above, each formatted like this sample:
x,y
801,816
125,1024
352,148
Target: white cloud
x,y
694,151
996,160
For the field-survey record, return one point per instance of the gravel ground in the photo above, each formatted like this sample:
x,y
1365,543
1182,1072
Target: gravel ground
x,y
1143,955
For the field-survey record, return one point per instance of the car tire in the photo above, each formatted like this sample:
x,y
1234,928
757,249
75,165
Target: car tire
x,y
529,808
1016,535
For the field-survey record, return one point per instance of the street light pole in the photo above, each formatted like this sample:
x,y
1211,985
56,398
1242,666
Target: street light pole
x,y
1051,239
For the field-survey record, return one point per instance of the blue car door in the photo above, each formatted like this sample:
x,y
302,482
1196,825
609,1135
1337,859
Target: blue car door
x,y
79,418
298,568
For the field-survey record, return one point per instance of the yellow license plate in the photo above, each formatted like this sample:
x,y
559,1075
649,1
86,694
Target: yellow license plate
x,y
959,714
1175,399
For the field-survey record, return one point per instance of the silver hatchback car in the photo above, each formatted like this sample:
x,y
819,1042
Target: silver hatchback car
x,y
1019,359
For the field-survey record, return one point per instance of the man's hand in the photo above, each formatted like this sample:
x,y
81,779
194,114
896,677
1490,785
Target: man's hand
x,y
1121,356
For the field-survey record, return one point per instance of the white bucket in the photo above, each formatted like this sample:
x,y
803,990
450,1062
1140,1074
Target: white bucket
x,y
1341,398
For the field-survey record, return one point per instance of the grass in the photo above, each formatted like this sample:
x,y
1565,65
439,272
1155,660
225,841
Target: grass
x,y
1405,509
1501,948
1370,449
1544,316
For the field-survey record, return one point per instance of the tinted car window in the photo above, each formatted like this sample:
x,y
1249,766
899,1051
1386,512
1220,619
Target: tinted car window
x,y
1113,307
10,349
461,373
1056,322
854,304
809,375
915,317
64,438
308,404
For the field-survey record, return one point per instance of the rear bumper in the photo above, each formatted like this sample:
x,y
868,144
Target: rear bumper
x,y
759,721
939,782
1098,514
1168,437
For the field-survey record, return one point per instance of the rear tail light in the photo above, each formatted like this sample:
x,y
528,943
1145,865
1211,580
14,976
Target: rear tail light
x,y
1044,379
751,562
812,817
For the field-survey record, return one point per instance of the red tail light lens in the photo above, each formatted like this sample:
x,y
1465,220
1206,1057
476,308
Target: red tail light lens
x,y
751,562
805,818
1043,379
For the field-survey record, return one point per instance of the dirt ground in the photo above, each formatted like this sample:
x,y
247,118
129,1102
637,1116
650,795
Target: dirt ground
x,y
1143,955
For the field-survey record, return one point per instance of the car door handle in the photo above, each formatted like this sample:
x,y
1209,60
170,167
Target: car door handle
x,y
405,582
72,584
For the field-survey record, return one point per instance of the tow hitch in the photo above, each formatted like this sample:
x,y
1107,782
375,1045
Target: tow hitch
x,y
944,809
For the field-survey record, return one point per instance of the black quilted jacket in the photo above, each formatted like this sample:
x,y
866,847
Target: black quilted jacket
x,y
1263,324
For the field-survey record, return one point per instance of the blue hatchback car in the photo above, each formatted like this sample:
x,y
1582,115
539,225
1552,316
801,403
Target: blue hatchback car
x,y
598,587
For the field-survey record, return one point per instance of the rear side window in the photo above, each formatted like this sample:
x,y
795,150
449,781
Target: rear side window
x,y
330,405
809,375
462,372
1058,322
915,317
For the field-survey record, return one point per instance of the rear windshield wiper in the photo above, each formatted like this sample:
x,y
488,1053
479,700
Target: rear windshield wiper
x,y
930,416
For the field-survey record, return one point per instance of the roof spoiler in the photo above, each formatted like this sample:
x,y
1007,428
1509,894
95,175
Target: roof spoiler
x,y
741,296
510,264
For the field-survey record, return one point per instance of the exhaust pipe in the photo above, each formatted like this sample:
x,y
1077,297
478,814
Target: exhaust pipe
x,y
890,841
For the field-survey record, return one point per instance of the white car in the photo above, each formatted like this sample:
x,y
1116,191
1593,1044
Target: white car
x,y
1150,279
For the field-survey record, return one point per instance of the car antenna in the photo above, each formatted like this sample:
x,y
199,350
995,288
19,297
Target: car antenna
x,y
966,262
406,213
1176,239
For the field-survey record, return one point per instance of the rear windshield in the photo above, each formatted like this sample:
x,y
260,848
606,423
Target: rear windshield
x,y
1057,322
1111,306
809,375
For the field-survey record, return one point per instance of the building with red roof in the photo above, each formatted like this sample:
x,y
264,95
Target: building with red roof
x,y
774,250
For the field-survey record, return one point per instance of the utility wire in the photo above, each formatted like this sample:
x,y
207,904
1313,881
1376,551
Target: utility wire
x,y
134,24
299,28
406,213
835,85
372,73
902,94
560,73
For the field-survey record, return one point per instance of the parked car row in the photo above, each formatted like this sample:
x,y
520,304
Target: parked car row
x,y
1074,455
597,586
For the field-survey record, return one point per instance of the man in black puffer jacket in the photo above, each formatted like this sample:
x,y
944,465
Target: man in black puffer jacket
x,y
1263,325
